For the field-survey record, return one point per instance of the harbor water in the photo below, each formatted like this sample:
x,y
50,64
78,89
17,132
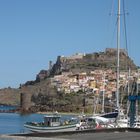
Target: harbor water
x,y
14,122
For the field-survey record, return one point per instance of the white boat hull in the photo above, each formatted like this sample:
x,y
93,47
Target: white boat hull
x,y
62,128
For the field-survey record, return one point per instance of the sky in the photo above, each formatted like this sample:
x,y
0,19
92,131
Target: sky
x,y
33,32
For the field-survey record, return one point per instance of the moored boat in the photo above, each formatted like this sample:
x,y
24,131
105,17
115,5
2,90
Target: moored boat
x,y
136,124
94,122
52,123
110,115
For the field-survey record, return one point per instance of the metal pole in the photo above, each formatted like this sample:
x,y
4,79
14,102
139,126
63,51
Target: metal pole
x,y
103,103
118,53
137,95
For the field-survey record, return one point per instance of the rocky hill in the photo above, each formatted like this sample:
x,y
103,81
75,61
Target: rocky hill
x,y
40,95
10,96
88,62
85,63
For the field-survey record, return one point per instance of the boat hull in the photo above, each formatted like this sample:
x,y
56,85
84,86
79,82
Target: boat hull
x,y
51,129
111,115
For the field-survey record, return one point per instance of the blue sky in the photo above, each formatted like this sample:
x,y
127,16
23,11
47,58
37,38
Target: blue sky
x,y
32,32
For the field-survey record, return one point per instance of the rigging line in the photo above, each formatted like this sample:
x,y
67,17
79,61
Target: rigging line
x,y
109,30
115,27
112,8
126,45
125,34
114,31
125,25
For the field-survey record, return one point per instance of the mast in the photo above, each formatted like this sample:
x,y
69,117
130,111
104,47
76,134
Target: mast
x,y
128,91
137,93
103,103
118,53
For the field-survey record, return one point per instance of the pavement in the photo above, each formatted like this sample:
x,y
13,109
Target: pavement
x,y
5,137
104,136
82,136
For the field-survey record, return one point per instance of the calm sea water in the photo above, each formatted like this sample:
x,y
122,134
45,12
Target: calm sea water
x,y
14,123
3,107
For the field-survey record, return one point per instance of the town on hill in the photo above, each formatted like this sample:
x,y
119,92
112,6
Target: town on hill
x,y
75,84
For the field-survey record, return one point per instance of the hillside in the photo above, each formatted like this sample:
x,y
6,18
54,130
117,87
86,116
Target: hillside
x,y
42,95
85,63
88,62
10,96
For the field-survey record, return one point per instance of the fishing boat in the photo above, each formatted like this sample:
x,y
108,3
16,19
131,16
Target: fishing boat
x,y
52,123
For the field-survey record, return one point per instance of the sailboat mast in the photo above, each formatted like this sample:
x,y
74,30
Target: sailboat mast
x,y
103,103
118,52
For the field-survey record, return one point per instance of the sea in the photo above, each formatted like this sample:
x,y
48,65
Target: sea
x,y
14,122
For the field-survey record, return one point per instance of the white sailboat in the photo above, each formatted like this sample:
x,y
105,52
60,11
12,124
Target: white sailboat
x,y
110,115
122,120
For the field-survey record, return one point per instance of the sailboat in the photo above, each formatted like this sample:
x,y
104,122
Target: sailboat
x,y
111,115
123,119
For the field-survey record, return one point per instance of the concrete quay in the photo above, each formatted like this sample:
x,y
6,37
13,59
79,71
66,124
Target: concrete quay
x,y
103,134
5,137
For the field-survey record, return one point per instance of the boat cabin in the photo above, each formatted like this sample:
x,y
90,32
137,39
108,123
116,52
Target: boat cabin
x,y
52,120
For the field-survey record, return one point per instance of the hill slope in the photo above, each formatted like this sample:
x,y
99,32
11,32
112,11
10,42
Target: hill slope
x,y
88,62
42,95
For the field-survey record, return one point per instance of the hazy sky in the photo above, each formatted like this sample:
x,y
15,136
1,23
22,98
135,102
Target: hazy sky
x,y
32,32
